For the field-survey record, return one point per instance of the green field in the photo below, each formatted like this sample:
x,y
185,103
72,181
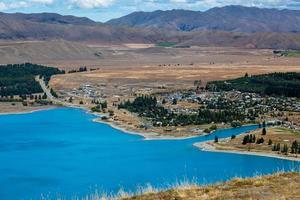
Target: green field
x,y
288,53
166,44
292,54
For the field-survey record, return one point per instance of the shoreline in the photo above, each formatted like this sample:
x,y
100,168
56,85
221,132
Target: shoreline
x,y
29,111
145,136
205,146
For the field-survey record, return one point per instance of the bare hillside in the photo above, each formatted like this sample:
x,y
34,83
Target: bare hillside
x,y
39,51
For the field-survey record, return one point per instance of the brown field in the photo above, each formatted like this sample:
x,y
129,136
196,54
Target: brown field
x,y
274,187
138,65
276,134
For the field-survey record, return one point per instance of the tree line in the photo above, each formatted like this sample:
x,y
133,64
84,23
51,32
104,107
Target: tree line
x,y
19,79
279,84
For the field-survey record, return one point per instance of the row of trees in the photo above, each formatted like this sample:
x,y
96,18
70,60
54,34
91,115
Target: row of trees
x,y
81,69
295,148
281,84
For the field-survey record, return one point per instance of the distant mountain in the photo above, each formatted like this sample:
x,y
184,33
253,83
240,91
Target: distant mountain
x,y
50,18
229,18
266,40
51,26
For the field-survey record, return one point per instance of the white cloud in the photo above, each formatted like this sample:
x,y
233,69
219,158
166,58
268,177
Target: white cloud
x,y
87,4
13,5
48,2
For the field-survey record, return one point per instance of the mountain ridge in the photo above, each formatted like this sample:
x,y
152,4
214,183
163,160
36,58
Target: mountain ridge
x,y
228,18
52,26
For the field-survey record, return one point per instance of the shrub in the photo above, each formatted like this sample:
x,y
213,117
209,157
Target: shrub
x,y
260,141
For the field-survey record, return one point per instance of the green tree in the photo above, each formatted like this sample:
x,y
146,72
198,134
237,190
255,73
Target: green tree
x,y
174,101
44,96
285,149
270,142
216,139
260,141
295,147
264,131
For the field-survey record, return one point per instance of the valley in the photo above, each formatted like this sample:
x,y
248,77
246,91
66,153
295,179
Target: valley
x,y
130,106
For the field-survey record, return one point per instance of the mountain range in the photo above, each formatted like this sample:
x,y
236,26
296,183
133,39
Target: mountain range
x,y
227,26
229,18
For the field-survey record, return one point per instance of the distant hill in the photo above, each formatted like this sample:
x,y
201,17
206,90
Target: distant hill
x,y
265,40
49,26
229,18
50,18
228,26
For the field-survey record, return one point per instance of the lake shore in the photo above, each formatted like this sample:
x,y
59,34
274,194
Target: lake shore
x,y
146,135
209,147
30,110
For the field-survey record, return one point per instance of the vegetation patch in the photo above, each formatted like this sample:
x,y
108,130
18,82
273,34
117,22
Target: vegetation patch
x,y
288,53
279,84
166,44
147,106
19,79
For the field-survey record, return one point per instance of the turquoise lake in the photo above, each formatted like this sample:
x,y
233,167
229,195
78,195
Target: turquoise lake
x,y
61,152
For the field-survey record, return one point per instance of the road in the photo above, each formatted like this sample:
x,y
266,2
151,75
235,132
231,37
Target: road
x,y
49,95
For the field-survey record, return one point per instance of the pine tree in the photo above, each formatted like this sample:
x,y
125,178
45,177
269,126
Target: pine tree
x,y
294,148
285,149
174,101
264,131
216,139
44,96
270,142
278,147
253,139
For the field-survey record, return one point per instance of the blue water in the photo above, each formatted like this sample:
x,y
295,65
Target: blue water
x,y
62,152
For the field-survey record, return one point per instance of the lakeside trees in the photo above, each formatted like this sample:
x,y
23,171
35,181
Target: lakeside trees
x,y
146,106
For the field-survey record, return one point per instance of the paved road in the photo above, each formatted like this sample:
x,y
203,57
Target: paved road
x,y
49,95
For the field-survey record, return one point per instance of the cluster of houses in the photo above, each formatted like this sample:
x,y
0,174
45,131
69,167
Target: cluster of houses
x,y
250,104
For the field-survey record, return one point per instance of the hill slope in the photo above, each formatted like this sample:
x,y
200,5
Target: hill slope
x,y
48,26
278,186
229,18
51,26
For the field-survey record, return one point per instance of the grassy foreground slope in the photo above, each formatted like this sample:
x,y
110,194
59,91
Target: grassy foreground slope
x,y
277,186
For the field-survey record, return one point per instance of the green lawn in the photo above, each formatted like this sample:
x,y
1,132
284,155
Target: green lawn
x,y
291,54
166,44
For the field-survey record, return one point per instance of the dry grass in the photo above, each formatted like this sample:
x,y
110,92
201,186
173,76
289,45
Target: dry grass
x,y
17,107
276,134
279,186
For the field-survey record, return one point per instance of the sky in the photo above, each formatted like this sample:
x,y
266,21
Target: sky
x,y
103,10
